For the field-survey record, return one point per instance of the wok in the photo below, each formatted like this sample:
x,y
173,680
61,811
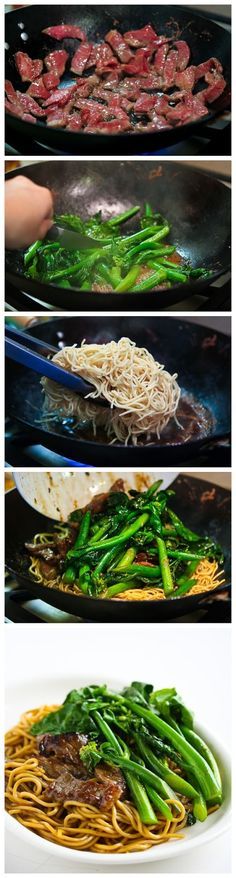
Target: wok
x,y
199,355
205,508
204,37
196,205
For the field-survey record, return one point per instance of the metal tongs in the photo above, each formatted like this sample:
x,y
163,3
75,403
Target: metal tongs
x,y
23,348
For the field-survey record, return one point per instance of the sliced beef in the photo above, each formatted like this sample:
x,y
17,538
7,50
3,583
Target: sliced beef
x,y
142,37
28,69
51,79
66,747
63,31
37,89
74,122
101,795
183,51
56,61
104,773
185,79
17,110
80,58
60,96
119,46
214,91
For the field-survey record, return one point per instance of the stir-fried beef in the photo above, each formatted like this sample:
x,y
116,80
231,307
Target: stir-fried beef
x,y
65,747
101,795
128,65
59,756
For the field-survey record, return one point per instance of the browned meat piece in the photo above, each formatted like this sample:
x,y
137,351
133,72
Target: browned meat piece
x,y
104,773
48,571
118,485
100,795
98,502
66,747
55,552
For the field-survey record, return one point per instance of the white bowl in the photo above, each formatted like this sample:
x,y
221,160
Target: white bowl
x,y
31,694
57,494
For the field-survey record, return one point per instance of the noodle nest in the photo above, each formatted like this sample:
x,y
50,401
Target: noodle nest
x,y
143,396
73,824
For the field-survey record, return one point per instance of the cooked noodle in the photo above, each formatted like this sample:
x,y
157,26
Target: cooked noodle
x,y
143,396
208,574
73,824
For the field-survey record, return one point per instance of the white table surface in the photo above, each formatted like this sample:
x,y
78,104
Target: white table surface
x,y
127,652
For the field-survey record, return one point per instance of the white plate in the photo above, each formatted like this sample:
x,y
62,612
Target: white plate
x,y
57,494
31,694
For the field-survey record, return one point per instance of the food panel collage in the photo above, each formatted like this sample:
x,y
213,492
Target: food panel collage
x,y
118,465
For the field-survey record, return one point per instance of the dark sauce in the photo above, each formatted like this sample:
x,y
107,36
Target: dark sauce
x,y
193,421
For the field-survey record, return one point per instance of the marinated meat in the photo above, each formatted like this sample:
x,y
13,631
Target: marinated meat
x,y
51,79
61,96
129,66
142,37
119,46
55,62
183,51
28,69
59,756
37,89
80,58
62,31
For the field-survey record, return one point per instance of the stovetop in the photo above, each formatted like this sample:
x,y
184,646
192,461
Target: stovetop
x,y
20,607
217,297
20,450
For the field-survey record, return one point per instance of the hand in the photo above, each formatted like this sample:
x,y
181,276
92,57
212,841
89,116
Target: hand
x,y
28,212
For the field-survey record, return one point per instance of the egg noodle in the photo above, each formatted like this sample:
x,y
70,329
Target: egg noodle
x,y
143,396
73,824
207,576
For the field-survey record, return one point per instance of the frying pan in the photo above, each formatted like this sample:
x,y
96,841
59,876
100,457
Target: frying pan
x,y
199,355
206,509
205,39
196,205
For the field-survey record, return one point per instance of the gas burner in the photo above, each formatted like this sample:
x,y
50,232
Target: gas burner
x,y
21,607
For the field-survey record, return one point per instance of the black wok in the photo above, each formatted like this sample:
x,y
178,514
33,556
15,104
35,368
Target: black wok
x,y
206,509
200,356
196,205
204,37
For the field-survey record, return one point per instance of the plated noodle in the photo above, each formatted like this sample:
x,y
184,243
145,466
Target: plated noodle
x,y
115,814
